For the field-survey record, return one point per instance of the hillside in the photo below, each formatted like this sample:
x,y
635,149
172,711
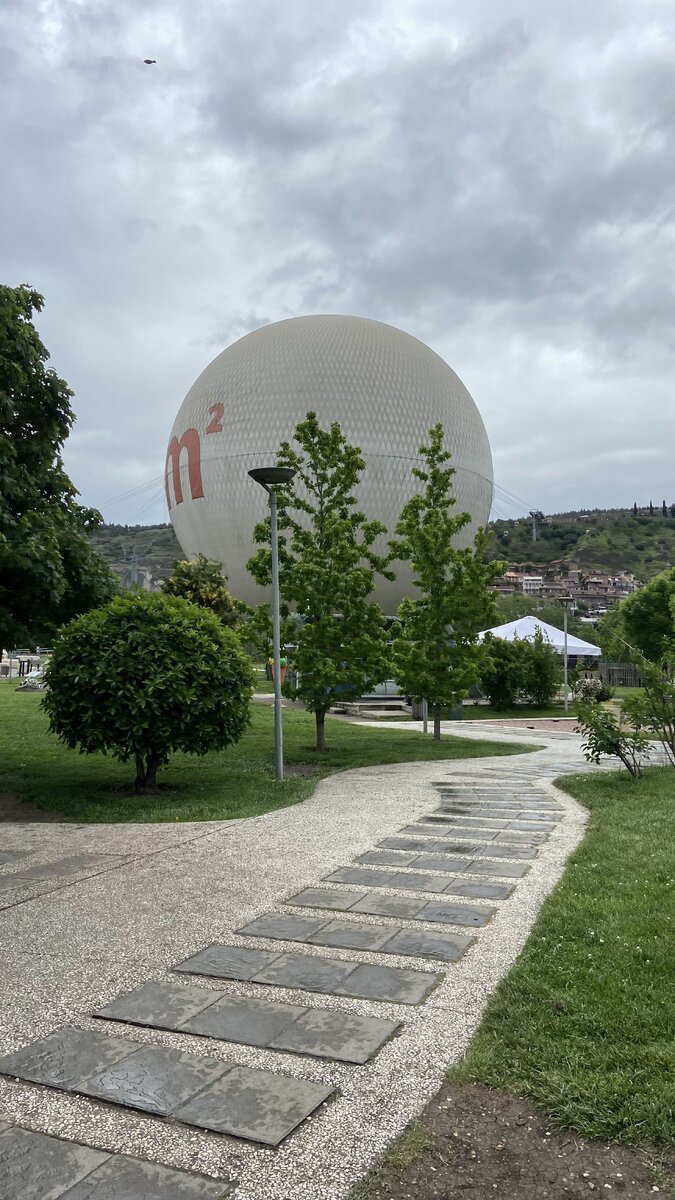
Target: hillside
x,y
148,551
606,540
602,541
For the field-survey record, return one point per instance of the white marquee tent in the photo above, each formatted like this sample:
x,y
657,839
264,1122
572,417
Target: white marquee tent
x,y
526,627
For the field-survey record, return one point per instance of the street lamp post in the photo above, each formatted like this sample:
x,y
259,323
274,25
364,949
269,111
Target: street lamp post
x,y
266,476
566,600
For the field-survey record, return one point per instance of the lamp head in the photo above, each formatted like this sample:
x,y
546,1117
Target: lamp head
x,y
269,475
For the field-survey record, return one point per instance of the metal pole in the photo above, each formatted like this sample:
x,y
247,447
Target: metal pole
x,y
425,717
276,639
565,656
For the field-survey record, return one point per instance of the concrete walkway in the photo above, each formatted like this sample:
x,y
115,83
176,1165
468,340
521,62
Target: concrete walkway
x,y
90,912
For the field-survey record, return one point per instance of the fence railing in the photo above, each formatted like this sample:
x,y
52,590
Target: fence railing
x,y
619,674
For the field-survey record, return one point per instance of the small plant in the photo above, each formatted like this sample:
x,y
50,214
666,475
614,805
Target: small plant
x,y
144,676
605,737
655,708
592,690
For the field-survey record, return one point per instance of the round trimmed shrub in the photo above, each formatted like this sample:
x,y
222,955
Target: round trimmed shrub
x,y
146,675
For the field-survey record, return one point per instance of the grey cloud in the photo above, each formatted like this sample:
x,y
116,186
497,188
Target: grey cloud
x,y
496,180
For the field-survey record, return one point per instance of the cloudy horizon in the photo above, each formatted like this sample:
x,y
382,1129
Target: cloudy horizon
x,y
496,179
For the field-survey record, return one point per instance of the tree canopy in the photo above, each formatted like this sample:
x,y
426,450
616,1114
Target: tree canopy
x,y
436,656
335,637
146,675
201,581
48,570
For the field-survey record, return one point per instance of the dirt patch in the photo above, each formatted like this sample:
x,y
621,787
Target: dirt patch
x,y
475,1144
14,809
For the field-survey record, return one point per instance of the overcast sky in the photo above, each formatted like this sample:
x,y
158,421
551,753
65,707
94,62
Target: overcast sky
x,y
494,176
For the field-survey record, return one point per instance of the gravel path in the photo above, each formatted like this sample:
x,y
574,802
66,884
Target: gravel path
x,y
147,897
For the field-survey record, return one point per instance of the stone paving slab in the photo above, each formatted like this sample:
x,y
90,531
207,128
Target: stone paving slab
x,y
36,1167
421,883
124,1178
515,837
241,1101
159,1005
428,862
470,812
443,847
257,1105
154,1079
441,817
383,938
66,1059
311,973
392,906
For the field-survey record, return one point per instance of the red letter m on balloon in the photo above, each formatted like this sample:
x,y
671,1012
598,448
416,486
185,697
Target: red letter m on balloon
x,y
190,443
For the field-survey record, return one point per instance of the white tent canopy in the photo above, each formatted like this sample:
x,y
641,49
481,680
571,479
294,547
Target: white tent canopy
x,y
526,627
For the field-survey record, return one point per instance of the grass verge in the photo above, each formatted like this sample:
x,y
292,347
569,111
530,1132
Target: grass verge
x,y
583,1023
238,782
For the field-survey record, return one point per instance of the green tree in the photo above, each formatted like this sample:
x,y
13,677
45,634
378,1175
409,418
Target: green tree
x,y
436,654
48,569
335,637
647,616
201,581
502,671
144,676
543,672
611,636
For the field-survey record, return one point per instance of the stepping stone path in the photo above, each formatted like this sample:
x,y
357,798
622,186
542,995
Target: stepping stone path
x,y
474,846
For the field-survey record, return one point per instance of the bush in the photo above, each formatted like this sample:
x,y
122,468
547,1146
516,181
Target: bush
x,y
502,672
542,671
144,676
604,736
655,708
592,690
520,670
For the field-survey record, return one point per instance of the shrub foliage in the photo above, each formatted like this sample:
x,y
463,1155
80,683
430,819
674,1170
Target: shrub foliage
x,y
144,676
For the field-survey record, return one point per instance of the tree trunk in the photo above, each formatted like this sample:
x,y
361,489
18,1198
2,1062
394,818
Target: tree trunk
x,y
320,715
146,773
437,722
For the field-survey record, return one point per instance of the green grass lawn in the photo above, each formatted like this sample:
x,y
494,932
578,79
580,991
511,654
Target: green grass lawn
x,y
485,712
238,782
584,1022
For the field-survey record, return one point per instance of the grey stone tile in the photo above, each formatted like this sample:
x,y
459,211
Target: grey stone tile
x,y
307,972
383,858
511,870
483,891
359,875
417,882
514,837
154,1079
505,852
162,1005
228,962
432,862
530,826
125,1178
342,1036
465,820
400,843
463,832
325,898
447,947
258,1105
399,985
242,1019
456,914
351,936
67,1058
280,925
389,906
34,1166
